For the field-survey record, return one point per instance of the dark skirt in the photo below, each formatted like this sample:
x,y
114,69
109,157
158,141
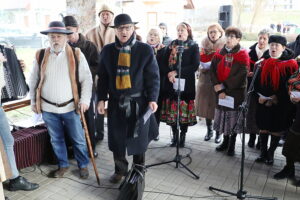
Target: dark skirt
x,y
187,114
226,120
291,148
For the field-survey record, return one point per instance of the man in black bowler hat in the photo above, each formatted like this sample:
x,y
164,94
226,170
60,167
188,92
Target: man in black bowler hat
x,y
129,80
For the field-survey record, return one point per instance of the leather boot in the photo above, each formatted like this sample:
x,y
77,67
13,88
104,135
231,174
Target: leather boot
x,y
218,137
230,151
263,148
182,139
210,131
258,143
274,143
175,134
252,139
224,144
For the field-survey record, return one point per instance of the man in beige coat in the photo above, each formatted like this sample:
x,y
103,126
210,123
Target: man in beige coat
x,y
103,34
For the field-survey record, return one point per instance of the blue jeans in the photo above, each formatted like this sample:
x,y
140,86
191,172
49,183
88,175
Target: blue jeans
x,y
8,142
55,124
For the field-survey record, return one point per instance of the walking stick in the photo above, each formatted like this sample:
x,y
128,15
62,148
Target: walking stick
x,y
87,136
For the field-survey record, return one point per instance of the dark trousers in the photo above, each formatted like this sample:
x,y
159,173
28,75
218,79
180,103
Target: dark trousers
x,y
121,163
99,124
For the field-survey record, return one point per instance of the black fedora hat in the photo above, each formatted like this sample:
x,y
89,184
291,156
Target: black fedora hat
x,y
122,19
56,27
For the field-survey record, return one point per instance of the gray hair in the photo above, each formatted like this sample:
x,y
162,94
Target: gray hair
x,y
265,31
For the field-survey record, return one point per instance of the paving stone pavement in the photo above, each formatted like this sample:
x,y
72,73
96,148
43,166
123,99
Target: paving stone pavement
x,y
165,182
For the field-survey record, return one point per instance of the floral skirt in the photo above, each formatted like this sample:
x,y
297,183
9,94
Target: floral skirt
x,y
187,114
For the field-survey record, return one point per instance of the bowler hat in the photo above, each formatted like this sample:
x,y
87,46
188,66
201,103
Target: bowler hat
x,y
122,19
278,39
56,27
70,21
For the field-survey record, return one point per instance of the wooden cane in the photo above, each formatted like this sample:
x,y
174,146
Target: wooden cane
x,y
87,136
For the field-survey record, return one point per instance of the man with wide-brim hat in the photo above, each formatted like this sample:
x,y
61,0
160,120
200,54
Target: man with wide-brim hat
x,y
61,87
129,75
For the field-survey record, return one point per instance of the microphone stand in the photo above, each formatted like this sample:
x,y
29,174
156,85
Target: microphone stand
x,y
177,159
241,193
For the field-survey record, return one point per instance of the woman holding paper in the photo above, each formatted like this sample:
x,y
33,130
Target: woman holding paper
x,y
205,102
229,77
274,109
256,53
291,148
170,67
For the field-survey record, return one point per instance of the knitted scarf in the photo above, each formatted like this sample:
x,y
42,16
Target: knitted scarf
x,y
273,69
123,80
226,61
173,58
294,81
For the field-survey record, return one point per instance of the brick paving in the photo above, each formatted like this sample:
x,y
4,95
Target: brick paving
x,y
165,182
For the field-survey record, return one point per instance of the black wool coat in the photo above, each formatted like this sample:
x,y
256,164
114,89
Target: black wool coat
x,y
295,46
279,117
189,65
144,74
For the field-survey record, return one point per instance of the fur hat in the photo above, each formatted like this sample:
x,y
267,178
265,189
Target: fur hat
x,y
278,39
105,7
70,21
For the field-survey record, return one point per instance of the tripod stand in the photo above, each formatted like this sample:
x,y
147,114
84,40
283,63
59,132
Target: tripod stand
x,y
241,193
177,159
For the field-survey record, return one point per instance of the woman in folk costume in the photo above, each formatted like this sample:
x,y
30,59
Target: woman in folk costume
x,y
274,109
189,65
291,148
229,69
154,39
205,102
256,52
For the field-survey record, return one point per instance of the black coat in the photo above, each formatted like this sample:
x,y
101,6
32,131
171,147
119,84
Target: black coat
x,y
189,65
295,46
144,74
275,118
90,52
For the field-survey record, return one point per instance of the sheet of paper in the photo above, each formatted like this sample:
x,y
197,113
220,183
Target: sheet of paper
x,y
264,97
147,115
205,65
227,102
37,119
176,85
295,94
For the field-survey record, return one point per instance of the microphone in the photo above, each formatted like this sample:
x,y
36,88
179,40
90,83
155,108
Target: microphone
x,y
180,47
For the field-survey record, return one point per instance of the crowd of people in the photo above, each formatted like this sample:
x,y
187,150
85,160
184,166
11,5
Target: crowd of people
x,y
110,68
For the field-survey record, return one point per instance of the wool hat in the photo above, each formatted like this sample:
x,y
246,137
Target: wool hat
x,y
278,39
122,19
105,7
70,21
56,27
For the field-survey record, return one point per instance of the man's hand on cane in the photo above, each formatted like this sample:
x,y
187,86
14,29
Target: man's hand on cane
x,y
83,107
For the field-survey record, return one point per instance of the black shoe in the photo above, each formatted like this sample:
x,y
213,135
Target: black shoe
x,y
20,183
296,183
251,141
218,138
261,159
224,145
263,138
271,150
156,139
286,172
6,198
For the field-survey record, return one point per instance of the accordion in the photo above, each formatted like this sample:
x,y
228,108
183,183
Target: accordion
x,y
32,146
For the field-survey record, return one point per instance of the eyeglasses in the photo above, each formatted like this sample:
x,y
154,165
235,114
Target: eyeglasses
x,y
126,28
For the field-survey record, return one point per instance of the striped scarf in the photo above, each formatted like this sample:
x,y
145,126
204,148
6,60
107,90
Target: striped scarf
x,y
294,81
123,80
173,58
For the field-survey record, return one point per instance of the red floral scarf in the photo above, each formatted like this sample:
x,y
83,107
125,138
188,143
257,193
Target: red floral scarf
x,y
227,60
206,57
273,68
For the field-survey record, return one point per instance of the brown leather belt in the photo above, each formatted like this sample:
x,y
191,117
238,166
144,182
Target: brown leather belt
x,y
58,104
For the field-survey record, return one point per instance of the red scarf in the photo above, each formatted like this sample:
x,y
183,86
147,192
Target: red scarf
x,y
273,68
206,57
226,61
